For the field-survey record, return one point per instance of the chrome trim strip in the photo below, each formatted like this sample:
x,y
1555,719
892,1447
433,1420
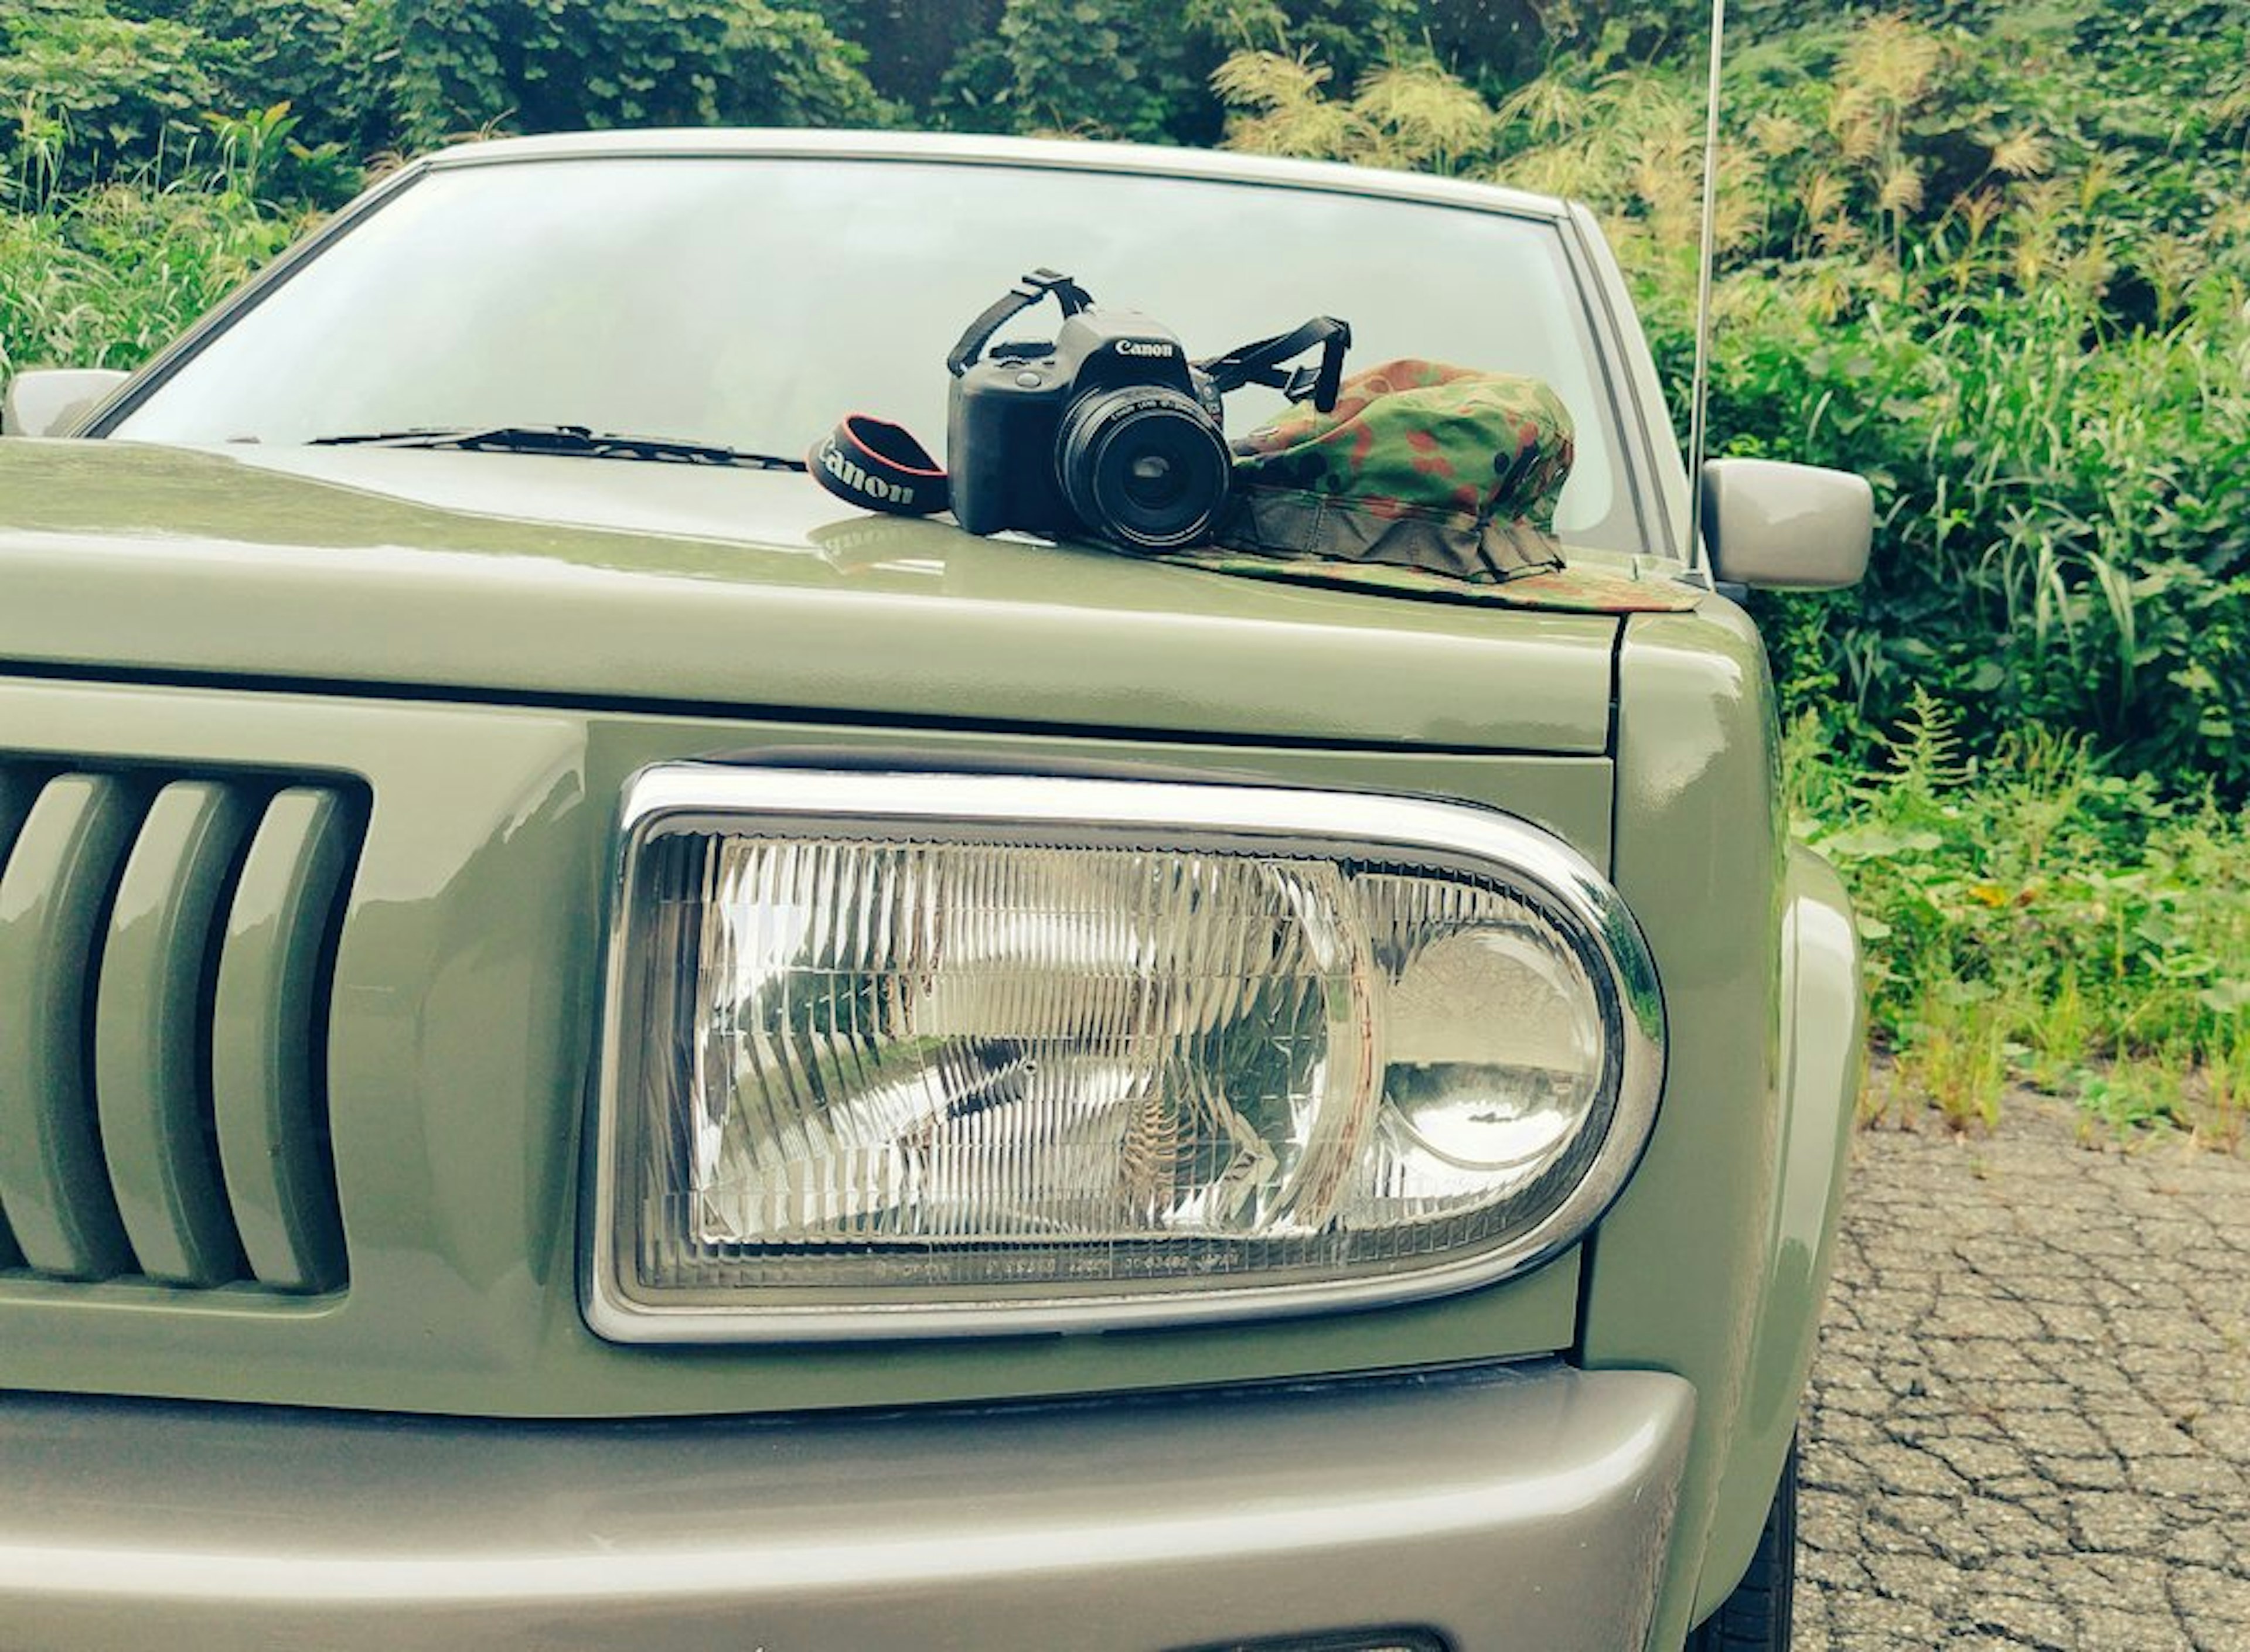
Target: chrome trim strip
x,y
694,797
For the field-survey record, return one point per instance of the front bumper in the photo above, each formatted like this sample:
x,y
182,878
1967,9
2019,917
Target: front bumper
x,y
1515,1506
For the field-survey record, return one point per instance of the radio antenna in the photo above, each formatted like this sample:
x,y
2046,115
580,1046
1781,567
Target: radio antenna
x,y
1699,390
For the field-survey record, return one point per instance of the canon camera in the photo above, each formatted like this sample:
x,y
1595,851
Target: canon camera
x,y
1110,429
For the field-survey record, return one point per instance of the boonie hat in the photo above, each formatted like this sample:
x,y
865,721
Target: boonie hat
x,y
1424,479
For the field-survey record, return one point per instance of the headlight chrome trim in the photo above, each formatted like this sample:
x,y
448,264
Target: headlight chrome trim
x,y
684,798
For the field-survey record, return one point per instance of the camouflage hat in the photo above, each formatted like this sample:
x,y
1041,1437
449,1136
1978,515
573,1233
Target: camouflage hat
x,y
1425,479
1419,465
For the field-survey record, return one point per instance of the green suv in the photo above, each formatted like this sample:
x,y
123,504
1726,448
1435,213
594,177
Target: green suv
x,y
599,1050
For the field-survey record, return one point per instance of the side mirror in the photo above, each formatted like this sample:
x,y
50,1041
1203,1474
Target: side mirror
x,y
1786,527
54,401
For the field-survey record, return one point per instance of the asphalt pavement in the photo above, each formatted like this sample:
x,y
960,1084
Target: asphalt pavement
x,y
2030,1416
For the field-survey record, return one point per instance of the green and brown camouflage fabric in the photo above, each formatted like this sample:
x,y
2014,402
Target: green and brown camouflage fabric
x,y
1420,465
1423,480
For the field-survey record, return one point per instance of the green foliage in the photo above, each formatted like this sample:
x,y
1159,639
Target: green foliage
x,y
1131,70
2029,915
95,91
541,65
1412,114
910,45
2066,516
1107,68
88,93
1354,37
301,52
110,276
128,203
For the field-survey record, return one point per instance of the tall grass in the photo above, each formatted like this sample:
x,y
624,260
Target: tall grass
x,y
2032,917
105,277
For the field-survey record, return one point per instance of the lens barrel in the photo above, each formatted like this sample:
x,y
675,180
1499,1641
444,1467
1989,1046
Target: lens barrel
x,y
1144,465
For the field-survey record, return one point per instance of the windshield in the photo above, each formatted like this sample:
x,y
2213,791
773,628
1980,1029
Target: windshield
x,y
751,302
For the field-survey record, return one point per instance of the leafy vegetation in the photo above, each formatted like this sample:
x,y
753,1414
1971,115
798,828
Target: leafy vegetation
x,y
2029,915
1994,255
469,65
105,277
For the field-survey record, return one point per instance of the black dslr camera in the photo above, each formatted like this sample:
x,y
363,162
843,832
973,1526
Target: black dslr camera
x,y
1110,429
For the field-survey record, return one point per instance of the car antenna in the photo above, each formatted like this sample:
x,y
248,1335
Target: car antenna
x,y
1699,389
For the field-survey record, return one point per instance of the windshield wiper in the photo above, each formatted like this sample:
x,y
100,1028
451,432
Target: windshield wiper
x,y
566,441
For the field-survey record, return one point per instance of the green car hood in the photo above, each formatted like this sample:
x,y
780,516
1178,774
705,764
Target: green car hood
x,y
599,582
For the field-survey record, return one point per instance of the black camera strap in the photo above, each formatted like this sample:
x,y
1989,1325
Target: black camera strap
x,y
1260,364
1034,287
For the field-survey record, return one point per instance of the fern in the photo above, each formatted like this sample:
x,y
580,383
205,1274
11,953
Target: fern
x,y
1923,754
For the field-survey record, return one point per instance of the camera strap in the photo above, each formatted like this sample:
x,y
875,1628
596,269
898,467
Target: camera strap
x,y
1260,364
1034,287
879,467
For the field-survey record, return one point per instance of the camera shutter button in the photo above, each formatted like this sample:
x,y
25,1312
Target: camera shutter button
x,y
1029,380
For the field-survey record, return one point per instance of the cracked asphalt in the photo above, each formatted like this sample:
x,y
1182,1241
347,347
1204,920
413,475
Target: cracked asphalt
x,y
2030,1417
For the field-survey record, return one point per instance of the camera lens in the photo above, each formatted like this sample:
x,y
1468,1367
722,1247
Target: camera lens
x,y
1153,482
1144,465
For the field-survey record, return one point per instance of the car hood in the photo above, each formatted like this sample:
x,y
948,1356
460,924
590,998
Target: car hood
x,y
596,582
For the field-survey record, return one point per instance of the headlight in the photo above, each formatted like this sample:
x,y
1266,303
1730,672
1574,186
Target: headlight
x,y
914,1054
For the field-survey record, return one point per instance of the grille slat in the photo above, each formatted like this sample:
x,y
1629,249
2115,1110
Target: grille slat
x,y
273,1131
151,1068
163,1011
53,898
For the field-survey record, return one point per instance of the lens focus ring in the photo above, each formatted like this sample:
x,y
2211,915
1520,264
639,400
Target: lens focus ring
x,y
1144,465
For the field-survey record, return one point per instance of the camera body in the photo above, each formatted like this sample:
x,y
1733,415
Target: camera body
x,y
1109,429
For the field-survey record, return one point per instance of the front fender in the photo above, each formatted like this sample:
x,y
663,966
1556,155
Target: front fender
x,y
1823,1062
1712,1263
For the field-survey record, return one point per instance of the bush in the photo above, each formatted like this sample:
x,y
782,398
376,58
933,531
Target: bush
x,y
300,52
528,65
91,94
1127,69
2066,536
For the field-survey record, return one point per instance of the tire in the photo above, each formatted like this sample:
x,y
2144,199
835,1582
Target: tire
x,y
1756,1617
